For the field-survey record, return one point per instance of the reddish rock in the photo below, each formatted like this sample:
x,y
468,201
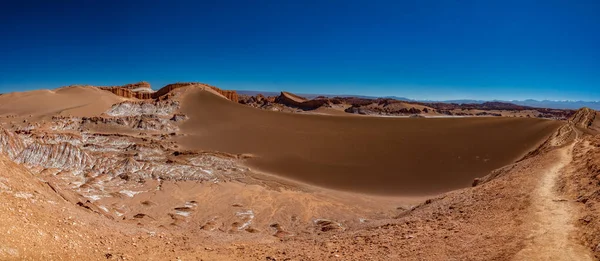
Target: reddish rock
x,y
583,118
293,100
231,95
10,143
137,85
126,90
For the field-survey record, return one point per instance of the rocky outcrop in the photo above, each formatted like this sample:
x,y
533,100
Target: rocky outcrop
x,y
10,144
148,122
137,108
59,156
326,225
583,118
179,117
258,101
377,109
231,95
142,90
128,93
289,102
292,100
137,86
582,185
357,110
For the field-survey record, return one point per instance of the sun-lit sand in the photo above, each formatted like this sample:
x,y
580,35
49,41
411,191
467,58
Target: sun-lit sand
x,y
400,156
74,101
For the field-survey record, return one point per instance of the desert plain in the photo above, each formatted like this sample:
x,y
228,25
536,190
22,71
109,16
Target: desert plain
x,y
194,172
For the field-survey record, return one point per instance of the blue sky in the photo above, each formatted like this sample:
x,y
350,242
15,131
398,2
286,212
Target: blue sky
x,y
416,49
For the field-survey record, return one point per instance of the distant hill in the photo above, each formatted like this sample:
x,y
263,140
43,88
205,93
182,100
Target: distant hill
x,y
573,105
559,104
315,95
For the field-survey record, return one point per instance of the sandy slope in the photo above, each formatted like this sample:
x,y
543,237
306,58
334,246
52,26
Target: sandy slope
x,y
74,101
489,222
581,184
368,154
517,216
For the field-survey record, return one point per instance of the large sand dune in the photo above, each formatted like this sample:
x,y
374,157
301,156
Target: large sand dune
x,y
74,101
401,156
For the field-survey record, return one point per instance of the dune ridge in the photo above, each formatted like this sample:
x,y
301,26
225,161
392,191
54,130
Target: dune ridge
x,y
71,100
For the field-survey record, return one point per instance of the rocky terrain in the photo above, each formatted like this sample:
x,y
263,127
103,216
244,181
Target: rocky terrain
x,y
143,90
120,185
390,107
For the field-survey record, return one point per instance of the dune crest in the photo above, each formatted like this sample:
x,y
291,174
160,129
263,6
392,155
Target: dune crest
x,y
71,100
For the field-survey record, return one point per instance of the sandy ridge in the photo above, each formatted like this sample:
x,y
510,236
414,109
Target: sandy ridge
x,y
553,218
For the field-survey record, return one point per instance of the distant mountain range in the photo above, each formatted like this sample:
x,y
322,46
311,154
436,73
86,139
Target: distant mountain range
x,y
566,104
574,105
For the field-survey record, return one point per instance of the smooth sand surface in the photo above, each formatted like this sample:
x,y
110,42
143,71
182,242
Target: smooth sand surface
x,y
74,101
393,156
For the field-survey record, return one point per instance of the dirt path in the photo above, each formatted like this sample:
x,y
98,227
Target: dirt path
x,y
553,220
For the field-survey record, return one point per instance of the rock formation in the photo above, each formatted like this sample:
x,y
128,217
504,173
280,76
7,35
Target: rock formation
x,y
583,118
142,90
137,108
582,184
289,102
292,100
10,143
139,122
231,95
127,93
59,156
76,154
258,101
382,110
137,86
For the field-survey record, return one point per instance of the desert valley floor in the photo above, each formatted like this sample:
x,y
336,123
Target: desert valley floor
x,y
193,172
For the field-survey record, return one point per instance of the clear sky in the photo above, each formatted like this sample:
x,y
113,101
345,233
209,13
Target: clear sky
x,y
445,49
